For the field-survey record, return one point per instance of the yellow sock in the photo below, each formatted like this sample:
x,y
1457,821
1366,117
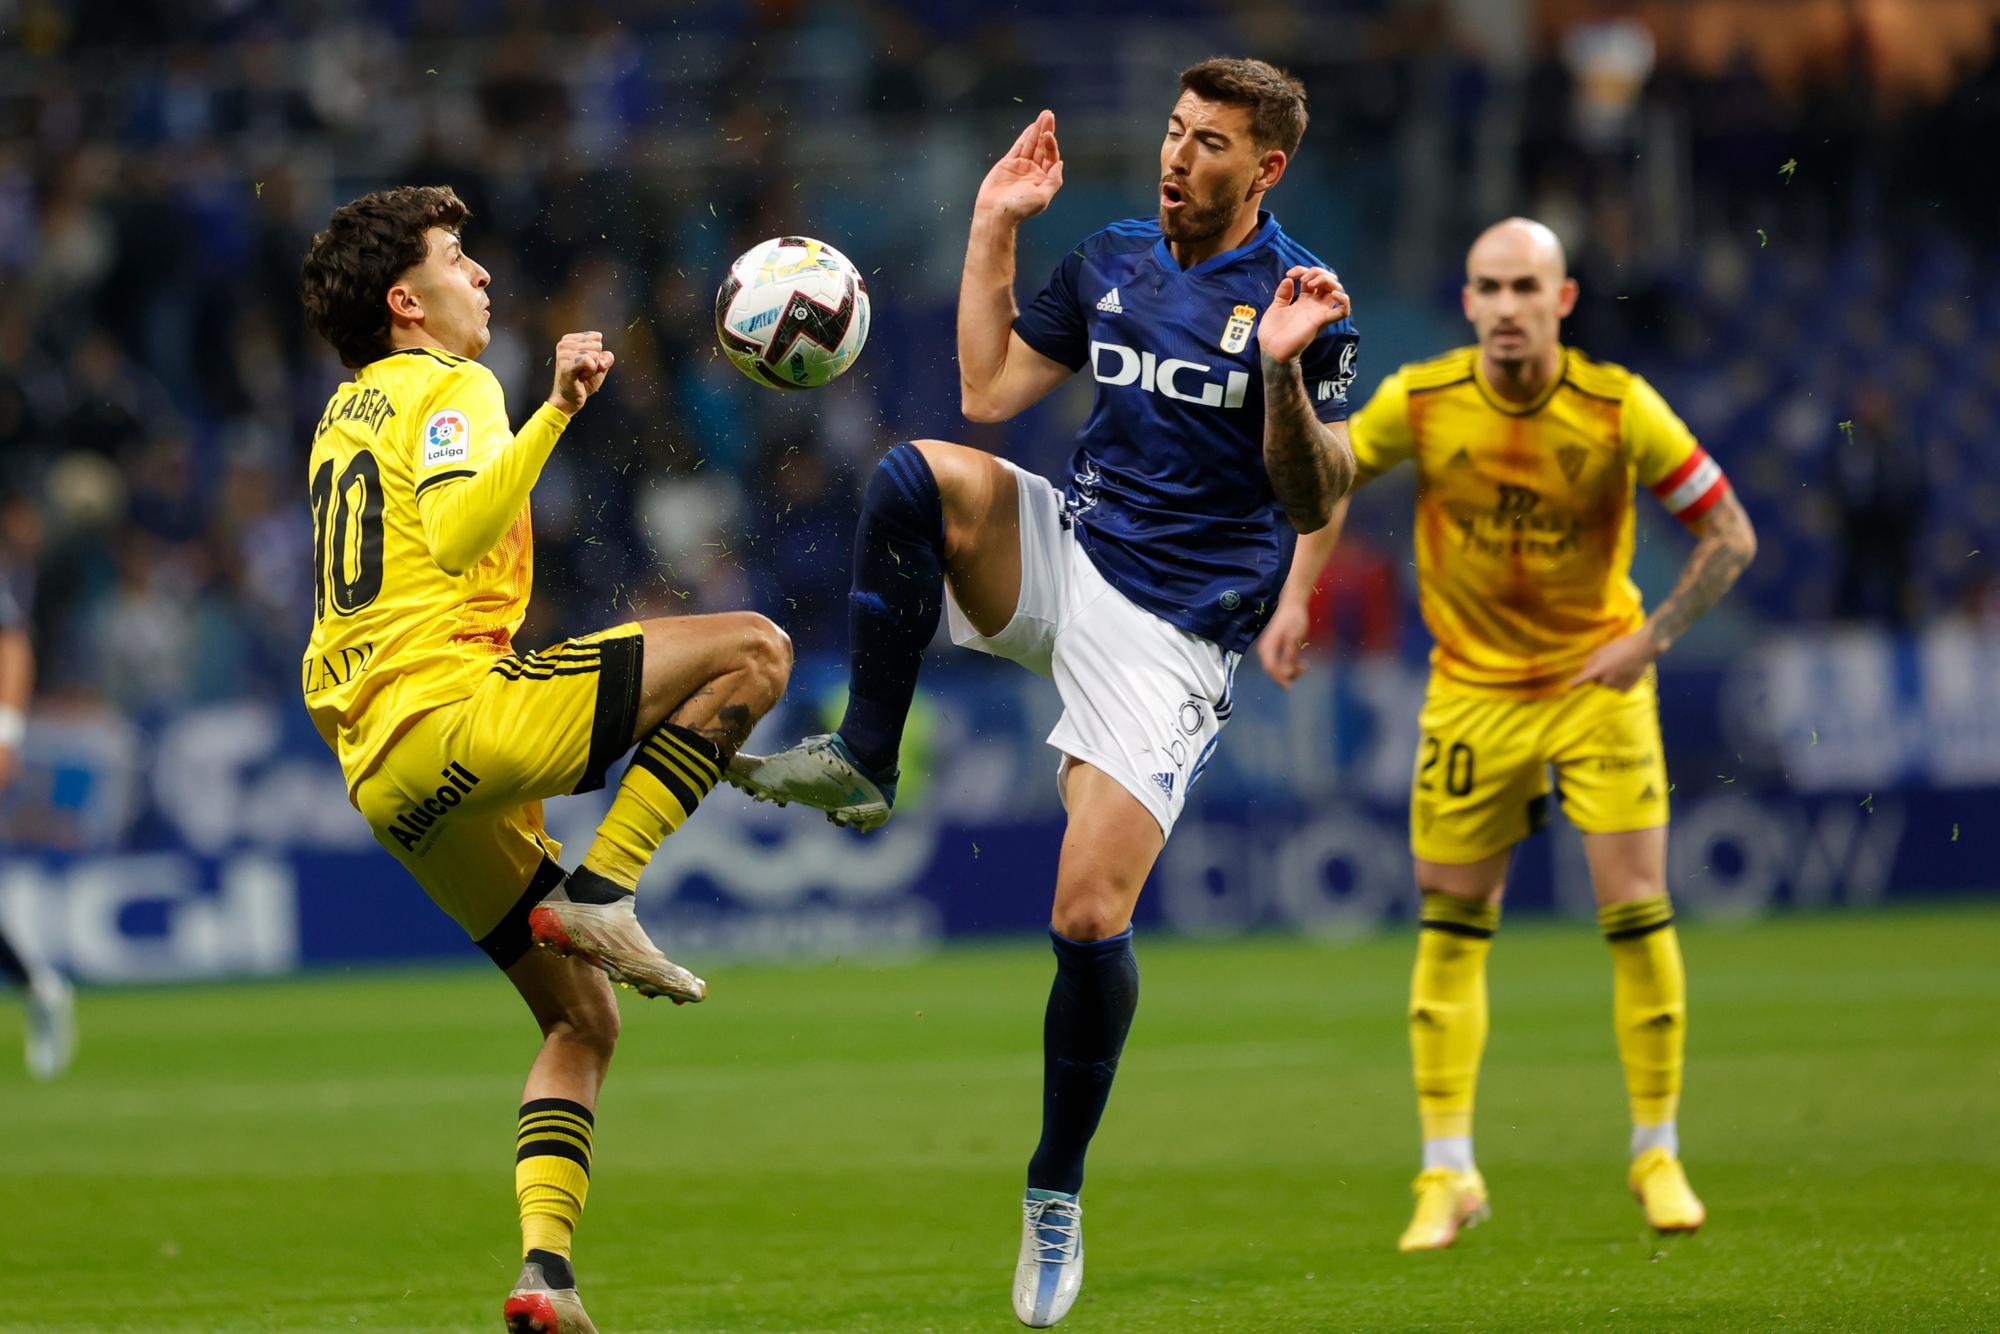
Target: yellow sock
x,y
1649,1004
1448,1009
551,1172
671,772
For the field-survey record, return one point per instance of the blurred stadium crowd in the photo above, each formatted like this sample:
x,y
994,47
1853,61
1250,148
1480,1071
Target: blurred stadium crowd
x,y
1784,224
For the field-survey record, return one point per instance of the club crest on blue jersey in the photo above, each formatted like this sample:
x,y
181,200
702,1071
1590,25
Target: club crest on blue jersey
x,y
1236,334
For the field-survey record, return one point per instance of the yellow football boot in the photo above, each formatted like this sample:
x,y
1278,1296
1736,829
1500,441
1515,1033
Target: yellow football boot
x,y
1661,1185
1446,1202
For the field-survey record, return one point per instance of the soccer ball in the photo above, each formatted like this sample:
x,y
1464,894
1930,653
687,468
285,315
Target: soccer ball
x,y
792,313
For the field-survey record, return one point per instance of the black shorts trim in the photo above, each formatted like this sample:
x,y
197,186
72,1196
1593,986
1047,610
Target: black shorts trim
x,y
509,941
1538,813
617,716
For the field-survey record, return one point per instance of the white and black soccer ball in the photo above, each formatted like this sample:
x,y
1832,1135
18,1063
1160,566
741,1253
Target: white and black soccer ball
x,y
792,313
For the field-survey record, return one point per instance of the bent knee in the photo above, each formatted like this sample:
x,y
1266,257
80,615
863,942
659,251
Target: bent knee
x,y
1476,890
762,649
769,647
967,479
1091,915
948,461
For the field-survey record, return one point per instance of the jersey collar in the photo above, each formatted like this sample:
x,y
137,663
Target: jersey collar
x,y
1501,403
422,350
1267,231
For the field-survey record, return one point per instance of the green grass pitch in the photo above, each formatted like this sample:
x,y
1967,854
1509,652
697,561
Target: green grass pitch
x,y
841,1147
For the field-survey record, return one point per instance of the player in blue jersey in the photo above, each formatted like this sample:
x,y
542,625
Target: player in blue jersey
x,y
1222,356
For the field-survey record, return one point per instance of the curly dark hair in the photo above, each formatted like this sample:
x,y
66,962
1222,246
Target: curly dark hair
x,y
1276,100
366,247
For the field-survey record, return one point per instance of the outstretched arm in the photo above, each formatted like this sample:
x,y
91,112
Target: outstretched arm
x,y
998,373
1725,544
464,517
1310,462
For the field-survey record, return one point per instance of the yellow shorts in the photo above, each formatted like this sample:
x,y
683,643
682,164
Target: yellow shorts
x,y
1482,770
458,798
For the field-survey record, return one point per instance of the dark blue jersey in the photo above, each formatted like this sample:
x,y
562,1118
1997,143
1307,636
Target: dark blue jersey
x,y
1168,491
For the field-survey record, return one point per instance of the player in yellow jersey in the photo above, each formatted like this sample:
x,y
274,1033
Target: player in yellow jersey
x,y
51,1004
1527,456
449,738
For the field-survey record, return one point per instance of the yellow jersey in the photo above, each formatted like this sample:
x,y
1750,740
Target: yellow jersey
x,y
1524,510
423,551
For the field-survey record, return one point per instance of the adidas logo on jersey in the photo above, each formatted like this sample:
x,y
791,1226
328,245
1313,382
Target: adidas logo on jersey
x,y
1109,303
1165,783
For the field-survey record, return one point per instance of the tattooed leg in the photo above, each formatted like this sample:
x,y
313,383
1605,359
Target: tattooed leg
x,y
713,675
722,711
704,683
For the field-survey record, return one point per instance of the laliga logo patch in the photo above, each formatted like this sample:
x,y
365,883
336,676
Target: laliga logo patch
x,y
447,436
1236,335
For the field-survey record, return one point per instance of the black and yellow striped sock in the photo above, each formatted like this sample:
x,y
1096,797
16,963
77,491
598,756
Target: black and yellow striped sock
x,y
1448,1009
671,772
1649,1004
551,1172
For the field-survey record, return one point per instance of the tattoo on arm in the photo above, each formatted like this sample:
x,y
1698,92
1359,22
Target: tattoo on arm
x,y
1724,547
1311,465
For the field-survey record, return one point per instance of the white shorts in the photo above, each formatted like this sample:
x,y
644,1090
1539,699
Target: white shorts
x,y
1143,700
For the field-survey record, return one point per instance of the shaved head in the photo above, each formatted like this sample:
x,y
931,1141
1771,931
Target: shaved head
x,y
1517,243
1517,293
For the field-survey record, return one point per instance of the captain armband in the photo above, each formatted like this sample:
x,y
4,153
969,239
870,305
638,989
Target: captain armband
x,y
1694,488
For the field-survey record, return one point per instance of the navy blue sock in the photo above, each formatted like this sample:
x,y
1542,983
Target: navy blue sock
x,y
894,604
1090,1011
12,971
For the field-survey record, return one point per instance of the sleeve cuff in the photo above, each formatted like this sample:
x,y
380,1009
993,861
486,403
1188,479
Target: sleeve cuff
x,y
1065,356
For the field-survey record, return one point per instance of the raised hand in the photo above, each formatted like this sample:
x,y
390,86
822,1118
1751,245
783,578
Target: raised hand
x,y
582,362
1026,178
1307,301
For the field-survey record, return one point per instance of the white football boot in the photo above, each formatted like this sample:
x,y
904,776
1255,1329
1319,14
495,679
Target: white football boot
x,y
51,1023
533,1307
609,936
820,772
1050,1270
